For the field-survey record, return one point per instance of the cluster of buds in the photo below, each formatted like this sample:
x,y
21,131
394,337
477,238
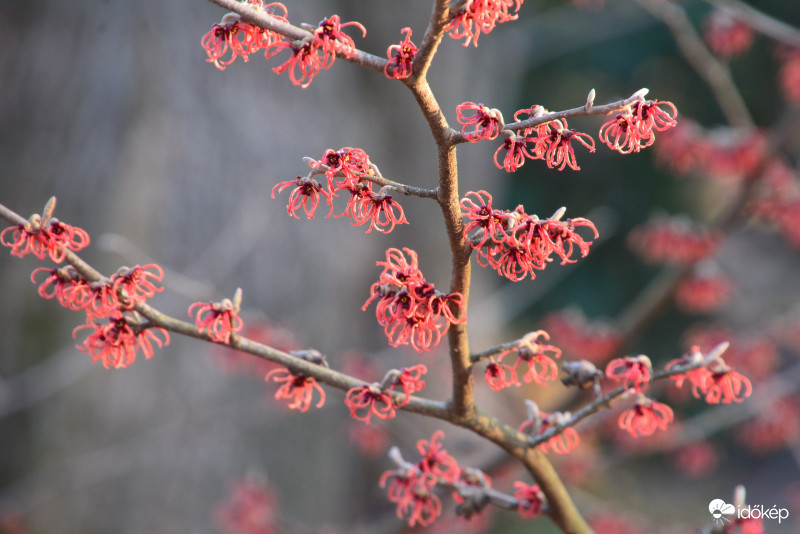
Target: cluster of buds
x,y
474,17
347,169
516,244
411,310
383,398
673,240
314,52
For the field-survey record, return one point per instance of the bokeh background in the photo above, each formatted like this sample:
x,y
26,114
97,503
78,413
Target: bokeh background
x,y
111,107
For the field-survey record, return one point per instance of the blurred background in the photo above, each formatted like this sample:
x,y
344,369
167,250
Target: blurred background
x,y
111,107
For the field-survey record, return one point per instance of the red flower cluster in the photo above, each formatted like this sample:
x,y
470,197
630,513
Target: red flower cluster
x,y
722,154
673,240
551,142
778,201
645,417
755,354
715,380
252,508
316,52
703,292
297,388
218,319
530,500
379,399
239,38
727,36
541,367
563,442
516,244
347,169
308,56
401,56
789,75
596,341
635,371
412,486
480,16
44,237
633,129
115,343
409,308
488,122
773,428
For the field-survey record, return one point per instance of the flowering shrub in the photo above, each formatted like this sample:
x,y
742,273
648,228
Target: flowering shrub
x,y
120,319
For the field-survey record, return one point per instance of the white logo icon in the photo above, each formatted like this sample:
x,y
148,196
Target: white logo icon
x,y
719,509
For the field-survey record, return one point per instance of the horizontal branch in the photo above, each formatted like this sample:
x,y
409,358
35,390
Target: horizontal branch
x,y
583,111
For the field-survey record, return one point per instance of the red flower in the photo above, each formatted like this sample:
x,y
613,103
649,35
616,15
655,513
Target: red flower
x,y
559,152
64,284
634,371
436,461
240,38
789,75
369,400
299,389
380,211
726,386
645,417
49,237
135,284
487,122
483,218
401,57
530,500
696,377
96,298
218,319
413,494
563,442
252,508
409,381
480,16
516,147
622,135
352,163
500,376
541,367
727,36
306,194
331,39
115,343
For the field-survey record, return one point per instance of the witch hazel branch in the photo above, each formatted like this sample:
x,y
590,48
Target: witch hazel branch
x,y
120,322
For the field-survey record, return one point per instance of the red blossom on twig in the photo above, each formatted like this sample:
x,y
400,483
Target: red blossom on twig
x,y
634,371
480,16
488,122
297,388
115,343
531,500
132,285
401,57
218,319
645,417
541,367
369,400
306,194
44,236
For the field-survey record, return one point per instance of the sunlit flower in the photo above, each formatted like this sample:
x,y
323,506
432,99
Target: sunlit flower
x,y
622,135
530,500
634,371
218,319
380,211
480,16
63,284
306,194
401,57
500,376
726,386
298,389
487,122
645,417
413,494
560,153
516,150
435,459
369,400
541,367
563,442
132,285
115,343
45,238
